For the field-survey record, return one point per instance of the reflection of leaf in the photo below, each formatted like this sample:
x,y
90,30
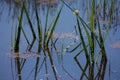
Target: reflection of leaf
x,y
115,45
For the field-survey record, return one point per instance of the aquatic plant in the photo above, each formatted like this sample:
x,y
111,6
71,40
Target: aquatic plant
x,y
89,35
89,47
43,39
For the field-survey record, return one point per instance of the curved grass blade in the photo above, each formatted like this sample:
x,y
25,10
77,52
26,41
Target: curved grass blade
x,y
54,26
101,41
46,23
29,21
38,24
40,41
17,40
83,42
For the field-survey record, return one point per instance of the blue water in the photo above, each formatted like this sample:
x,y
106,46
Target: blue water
x,y
66,24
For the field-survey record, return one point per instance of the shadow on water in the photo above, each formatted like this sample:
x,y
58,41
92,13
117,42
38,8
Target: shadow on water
x,y
41,64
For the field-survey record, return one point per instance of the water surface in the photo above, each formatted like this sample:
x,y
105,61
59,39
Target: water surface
x,y
65,66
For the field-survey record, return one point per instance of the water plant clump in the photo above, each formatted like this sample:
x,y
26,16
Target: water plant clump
x,y
87,41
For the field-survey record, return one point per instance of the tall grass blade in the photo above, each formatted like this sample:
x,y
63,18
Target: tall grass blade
x,y
17,41
29,21
38,24
92,27
25,36
101,41
16,46
82,41
46,23
54,26
67,5
40,40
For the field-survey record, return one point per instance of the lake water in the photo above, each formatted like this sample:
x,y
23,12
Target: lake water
x,y
56,64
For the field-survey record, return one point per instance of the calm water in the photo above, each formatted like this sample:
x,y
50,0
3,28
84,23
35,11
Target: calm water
x,y
66,67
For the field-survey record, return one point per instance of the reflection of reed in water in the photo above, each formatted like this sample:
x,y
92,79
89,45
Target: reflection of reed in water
x,y
89,72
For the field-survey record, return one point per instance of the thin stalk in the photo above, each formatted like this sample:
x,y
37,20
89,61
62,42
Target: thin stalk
x,y
67,5
46,23
40,40
92,27
29,21
38,24
83,42
16,45
52,63
54,26
25,36
101,41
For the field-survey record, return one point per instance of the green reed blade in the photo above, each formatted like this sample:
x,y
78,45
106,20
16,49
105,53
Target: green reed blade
x,y
86,31
16,44
39,26
85,26
101,41
46,23
82,40
67,5
92,27
37,60
25,36
40,41
29,21
36,68
54,26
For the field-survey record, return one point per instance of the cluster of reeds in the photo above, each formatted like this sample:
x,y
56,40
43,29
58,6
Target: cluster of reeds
x,y
88,47
45,35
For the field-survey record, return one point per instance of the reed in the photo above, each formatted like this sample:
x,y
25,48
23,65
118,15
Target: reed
x,y
43,39
89,46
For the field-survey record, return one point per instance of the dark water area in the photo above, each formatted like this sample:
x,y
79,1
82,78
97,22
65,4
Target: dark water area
x,y
64,57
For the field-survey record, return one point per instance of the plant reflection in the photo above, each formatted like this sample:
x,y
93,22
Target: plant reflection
x,y
89,71
90,75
